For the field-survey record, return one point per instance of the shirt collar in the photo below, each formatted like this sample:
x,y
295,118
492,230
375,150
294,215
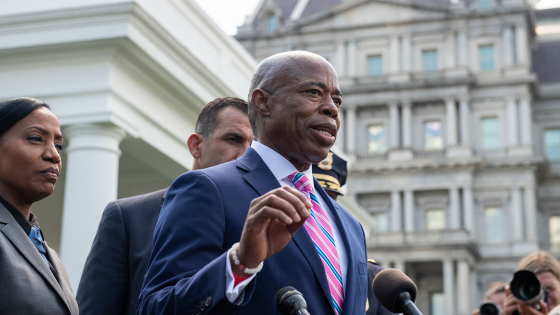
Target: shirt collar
x,y
280,167
19,217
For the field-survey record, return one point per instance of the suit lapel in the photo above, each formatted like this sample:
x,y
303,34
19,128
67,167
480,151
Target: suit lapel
x,y
261,179
13,232
343,226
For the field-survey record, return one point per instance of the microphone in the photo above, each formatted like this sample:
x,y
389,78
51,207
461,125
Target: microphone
x,y
290,302
396,292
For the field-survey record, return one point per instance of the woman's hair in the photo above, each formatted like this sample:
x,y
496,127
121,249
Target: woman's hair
x,y
539,262
16,109
495,288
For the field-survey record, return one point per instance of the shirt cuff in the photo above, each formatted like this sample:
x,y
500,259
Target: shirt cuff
x,y
235,293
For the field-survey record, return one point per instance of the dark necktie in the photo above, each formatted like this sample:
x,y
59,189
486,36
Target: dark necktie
x,y
37,240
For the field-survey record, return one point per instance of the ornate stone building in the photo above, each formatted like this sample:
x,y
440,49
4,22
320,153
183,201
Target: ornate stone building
x,y
451,122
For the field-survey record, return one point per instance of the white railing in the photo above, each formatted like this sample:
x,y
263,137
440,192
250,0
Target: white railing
x,y
427,75
366,157
362,80
429,154
421,237
546,29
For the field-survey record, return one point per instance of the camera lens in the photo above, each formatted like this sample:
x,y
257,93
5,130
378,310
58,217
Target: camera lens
x,y
528,291
490,308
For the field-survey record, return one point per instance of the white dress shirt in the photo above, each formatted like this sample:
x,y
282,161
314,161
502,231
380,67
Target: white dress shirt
x,y
282,168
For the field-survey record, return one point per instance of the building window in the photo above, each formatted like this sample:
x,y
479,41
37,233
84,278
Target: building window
x,y
272,23
435,219
430,60
486,57
437,304
381,222
490,133
433,139
485,4
552,144
494,220
376,142
375,65
554,228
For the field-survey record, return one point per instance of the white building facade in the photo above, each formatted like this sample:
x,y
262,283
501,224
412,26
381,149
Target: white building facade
x,y
127,80
451,120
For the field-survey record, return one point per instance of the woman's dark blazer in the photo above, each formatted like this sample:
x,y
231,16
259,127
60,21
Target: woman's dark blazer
x,y
27,285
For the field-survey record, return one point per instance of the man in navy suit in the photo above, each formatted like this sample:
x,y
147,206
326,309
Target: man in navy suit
x,y
230,236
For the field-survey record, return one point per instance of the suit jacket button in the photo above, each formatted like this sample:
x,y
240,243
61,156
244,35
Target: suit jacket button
x,y
208,301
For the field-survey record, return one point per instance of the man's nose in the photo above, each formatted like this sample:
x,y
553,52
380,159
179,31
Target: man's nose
x,y
330,109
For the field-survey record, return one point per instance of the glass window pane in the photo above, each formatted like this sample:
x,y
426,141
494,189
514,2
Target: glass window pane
x,y
435,219
554,227
490,133
552,144
494,219
430,60
433,139
272,23
375,65
485,4
376,142
437,304
486,57
382,222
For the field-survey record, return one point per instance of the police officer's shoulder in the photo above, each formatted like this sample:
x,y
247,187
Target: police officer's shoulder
x,y
372,261
373,267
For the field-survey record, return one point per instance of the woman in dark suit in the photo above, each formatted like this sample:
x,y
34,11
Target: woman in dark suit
x,y
32,277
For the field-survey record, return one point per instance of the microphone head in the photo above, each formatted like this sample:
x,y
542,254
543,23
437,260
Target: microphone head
x,y
289,300
388,284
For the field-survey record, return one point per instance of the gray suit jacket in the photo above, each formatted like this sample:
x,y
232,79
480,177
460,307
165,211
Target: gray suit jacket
x,y
27,286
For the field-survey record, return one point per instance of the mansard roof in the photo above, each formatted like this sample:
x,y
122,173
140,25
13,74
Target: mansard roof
x,y
545,61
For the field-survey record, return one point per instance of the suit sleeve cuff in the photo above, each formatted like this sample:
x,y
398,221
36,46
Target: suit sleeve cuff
x,y
235,293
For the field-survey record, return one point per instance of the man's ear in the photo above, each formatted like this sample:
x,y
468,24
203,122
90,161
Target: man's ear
x,y
260,99
194,142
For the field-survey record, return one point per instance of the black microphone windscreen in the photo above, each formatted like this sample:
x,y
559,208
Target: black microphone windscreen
x,y
281,292
388,284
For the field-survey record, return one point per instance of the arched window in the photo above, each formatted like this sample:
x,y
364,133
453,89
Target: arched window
x,y
272,23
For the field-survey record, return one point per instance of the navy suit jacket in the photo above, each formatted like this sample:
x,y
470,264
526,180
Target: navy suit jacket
x,y
203,216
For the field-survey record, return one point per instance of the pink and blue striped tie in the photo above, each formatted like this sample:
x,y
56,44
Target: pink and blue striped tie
x,y
319,228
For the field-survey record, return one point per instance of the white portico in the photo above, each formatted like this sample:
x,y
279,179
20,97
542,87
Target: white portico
x,y
127,80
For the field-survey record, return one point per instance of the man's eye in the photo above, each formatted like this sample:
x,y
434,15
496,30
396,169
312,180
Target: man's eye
x,y
59,147
337,101
314,92
233,139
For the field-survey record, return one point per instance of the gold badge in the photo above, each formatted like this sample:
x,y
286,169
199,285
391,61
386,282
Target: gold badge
x,y
326,164
367,304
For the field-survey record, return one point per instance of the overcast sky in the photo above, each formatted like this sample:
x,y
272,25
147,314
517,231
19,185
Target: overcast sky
x,y
229,14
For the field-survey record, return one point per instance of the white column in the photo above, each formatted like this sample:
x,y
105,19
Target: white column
x,y
399,265
406,54
511,108
396,211
406,124
507,38
465,121
516,214
521,44
351,52
351,129
340,136
454,213
530,212
451,111
463,287
395,54
341,59
450,51
409,210
449,287
395,128
92,171
462,48
526,120
468,215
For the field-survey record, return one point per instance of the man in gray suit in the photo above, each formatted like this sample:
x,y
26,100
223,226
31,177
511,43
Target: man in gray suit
x,y
117,263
